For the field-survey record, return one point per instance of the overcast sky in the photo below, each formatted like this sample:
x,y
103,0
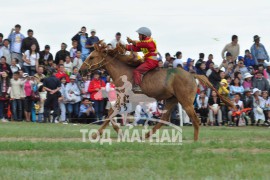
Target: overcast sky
x,y
188,26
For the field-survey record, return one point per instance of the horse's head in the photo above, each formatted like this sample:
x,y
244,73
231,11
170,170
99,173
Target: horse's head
x,y
97,58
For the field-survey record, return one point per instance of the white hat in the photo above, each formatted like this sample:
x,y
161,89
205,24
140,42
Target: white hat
x,y
25,75
267,64
40,84
255,90
247,75
216,66
72,77
93,30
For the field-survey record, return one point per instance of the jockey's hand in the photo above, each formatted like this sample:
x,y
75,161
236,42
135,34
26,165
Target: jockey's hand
x,y
129,40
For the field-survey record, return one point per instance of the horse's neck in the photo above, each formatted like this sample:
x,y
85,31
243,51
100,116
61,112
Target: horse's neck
x,y
116,68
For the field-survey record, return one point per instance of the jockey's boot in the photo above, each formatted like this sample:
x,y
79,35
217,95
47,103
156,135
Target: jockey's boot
x,y
136,89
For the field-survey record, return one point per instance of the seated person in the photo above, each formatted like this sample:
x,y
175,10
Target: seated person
x,y
87,112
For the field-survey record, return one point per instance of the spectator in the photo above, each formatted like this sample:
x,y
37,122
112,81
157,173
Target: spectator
x,y
43,95
62,100
4,66
241,67
68,65
214,77
260,82
178,60
117,40
84,85
224,91
268,69
258,51
201,69
263,71
29,41
190,65
257,106
17,94
210,60
230,70
236,87
87,112
202,102
39,75
112,96
27,100
249,59
5,51
214,107
61,54
81,37
48,67
4,95
209,71
95,87
15,39
247,81
1,40
30,59
237,102
266,107
92,40
160,64
76,73
45,56
73,96
14,67
248,103
229,59
199,62
238,75
168,60
77,61
233,48
61,73
52,85
73,50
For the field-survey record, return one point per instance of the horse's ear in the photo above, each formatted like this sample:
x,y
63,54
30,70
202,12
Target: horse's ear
x,y
100,41
96,46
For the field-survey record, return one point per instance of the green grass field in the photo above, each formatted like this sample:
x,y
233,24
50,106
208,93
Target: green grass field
x,y
56,151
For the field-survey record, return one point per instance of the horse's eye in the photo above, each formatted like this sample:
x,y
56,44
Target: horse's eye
x,y
91,57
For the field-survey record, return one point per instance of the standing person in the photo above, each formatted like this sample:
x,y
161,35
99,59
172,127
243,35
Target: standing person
x,y
43,95
77,61
28,92
178,60
92,40
168,60
73,50
258,51
248,103
4,66
52,86
95,87
81,37
117,40
73,96
214,77
200,60
148,46
210,60
5,51
14,67
202,102
62,100
84,85
16,39
29,41
68,65
30,59
214,107
257,107
224,91
45,56
189,67
4,95
233,47
16,95
61,54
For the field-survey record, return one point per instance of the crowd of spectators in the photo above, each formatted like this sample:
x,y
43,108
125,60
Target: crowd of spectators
x,y
37,86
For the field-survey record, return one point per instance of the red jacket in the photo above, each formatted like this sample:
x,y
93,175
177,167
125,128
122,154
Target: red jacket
x,y
94,84
60,75
147,46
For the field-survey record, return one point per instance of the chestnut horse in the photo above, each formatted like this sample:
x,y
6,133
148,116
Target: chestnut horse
x,y
171,85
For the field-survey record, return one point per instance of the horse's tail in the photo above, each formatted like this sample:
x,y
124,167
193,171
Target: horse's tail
x,y
204,80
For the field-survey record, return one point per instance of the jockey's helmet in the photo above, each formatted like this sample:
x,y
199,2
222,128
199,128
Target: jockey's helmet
x,y
144,31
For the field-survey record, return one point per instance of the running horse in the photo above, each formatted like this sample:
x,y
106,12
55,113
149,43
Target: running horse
x,y
171,85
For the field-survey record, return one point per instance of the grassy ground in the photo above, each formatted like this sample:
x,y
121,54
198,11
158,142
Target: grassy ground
x,y
56,151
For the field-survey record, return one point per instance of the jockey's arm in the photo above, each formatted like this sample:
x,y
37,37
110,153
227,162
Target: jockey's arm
x,y
133,48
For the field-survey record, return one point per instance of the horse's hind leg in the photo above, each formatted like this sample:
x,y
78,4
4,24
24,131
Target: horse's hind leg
x,y
169,104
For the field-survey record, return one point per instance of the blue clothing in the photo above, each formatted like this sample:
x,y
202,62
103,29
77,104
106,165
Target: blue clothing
x,y
92,40
186,67
83,40
83,109
259,53
12,40
236,89
249,62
